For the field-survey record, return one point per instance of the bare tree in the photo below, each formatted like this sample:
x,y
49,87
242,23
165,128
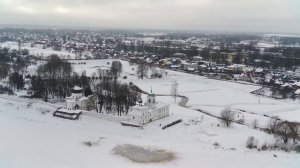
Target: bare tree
x,y
174,89
227,116
294,130
116,68
4,70
273,124
92,103
142,70
251,143
283,131
255,123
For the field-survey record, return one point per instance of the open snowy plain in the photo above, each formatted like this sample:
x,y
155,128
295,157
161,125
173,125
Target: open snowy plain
x,y
32,137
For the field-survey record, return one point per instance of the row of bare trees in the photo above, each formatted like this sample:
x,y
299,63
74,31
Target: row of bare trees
x,y
13,67
143,69
285,129
111,95
56,79
55,68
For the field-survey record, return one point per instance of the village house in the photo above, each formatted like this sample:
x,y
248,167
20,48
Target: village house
x,y
190,66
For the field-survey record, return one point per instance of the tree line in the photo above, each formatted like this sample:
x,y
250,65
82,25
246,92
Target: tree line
x,y
56,79
111,95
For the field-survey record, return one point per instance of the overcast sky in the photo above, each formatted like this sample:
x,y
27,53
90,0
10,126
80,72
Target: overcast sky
x,y
202,15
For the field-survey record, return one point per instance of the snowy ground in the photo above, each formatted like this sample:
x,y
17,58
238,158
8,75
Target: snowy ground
x,y
39,52
32,137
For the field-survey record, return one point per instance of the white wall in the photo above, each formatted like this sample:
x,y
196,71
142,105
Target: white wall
x,y
103,116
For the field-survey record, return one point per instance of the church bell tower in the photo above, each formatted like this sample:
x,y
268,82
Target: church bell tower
x,y
151,102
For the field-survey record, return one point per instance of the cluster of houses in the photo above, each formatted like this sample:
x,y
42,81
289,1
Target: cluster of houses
x,y
278,78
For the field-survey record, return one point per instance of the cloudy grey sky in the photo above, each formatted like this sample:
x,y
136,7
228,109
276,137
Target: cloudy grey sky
x,y
207,15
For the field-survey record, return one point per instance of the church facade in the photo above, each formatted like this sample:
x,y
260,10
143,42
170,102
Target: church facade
x,y
77,100
75,104
151,110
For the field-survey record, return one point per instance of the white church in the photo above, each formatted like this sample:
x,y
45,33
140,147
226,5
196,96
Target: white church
x,y
150,111
77,100
75,104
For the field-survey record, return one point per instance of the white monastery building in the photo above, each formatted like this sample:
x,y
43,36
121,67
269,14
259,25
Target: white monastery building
x,y
150,111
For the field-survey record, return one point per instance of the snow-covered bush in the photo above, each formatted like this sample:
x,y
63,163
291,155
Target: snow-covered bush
x,y
279,145
156,75
255,124
264,147
297,148
44,111
29,105
216,144
88,143
251,143
6,90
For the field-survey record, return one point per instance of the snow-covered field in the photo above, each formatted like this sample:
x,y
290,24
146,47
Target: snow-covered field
x,y
39,52
32,137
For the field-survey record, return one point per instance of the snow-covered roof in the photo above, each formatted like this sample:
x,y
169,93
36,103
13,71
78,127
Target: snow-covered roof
x,y
138,107
236,66
259,70
285,85
297,83
236,75
161,104
197,57
77,88
297,92
278,82
82,98
135,113
191,69
175,66
65,110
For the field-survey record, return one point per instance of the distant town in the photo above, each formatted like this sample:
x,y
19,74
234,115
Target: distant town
x,y
271,60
